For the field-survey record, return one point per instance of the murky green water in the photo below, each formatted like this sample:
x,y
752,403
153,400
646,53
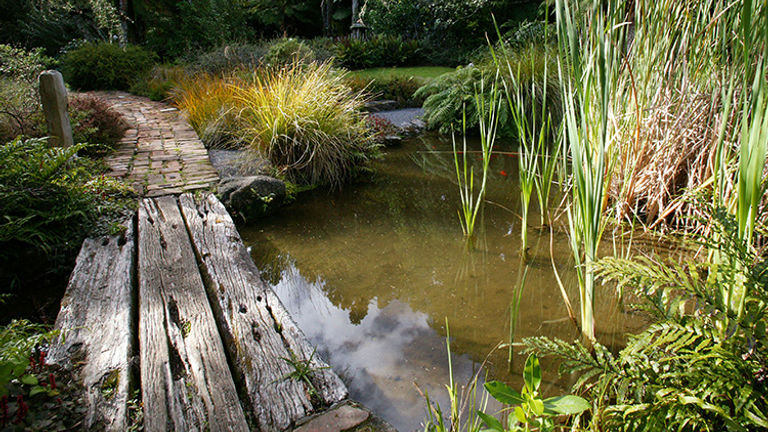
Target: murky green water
x,y
371,274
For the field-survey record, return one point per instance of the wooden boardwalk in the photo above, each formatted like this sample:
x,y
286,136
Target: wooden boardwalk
x,y
175,307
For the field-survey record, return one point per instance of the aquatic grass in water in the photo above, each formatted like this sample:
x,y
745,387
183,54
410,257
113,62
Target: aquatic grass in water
x,y
593,59
465,174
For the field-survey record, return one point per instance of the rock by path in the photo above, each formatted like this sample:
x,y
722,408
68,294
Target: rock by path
x,y
160,153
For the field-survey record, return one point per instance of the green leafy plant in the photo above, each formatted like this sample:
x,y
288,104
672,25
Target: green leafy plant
x,y
303,371
33,394
52,199
528,411
699,365
106,66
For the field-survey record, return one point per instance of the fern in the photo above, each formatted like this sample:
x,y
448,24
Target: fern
x,y
698,367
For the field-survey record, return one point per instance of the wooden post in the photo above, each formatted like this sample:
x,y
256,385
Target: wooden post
x,y
53,96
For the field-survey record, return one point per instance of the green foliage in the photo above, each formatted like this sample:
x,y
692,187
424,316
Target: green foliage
x,y
283,17
529,411
449,30
34,395
16,63
17,342
449,98
523,411
54,24
51,199
177,28
700,366
286,51
377,52
395,88
106,66
531,66
158,84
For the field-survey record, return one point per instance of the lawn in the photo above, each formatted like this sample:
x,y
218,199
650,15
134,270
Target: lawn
x,y
390,72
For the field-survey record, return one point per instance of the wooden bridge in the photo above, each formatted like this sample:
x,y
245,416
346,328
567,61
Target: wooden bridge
x,y
175,307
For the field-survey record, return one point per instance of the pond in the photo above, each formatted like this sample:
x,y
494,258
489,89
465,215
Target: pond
x,y
372,274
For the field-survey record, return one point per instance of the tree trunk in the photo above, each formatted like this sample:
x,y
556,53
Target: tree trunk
x,y
325,11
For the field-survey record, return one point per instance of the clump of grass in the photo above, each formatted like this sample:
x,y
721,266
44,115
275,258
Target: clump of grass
x,y
209,105
306,122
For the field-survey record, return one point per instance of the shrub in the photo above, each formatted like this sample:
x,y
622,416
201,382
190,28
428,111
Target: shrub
x,y
16,63
286,51
106,66
227,58
95,122
376,52
447,97
18,105
158,84
396,88
303,118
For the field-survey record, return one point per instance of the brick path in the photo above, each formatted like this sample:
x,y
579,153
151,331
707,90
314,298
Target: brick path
x,y
160,154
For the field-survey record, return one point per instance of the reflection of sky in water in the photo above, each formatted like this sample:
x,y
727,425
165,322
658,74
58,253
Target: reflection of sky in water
x,y
380,358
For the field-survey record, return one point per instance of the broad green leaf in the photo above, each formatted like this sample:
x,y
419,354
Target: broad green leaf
x,y
503,393
532,373
512,420
36,389
29,379
520,414
537,405
491,421
565,405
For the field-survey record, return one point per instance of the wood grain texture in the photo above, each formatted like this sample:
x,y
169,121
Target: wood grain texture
x,y
186,381
257,330
96,328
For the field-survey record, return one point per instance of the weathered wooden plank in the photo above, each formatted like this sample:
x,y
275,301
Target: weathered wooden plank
x,y
186,382
96,328
257,330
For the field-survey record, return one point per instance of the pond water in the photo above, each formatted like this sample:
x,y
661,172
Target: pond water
x,y
372,273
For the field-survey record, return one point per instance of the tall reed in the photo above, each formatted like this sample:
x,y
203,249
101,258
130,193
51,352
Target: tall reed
x,y
588,71
753,143
465,173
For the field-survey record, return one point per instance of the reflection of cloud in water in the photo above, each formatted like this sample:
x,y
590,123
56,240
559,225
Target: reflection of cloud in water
x,y
381,357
